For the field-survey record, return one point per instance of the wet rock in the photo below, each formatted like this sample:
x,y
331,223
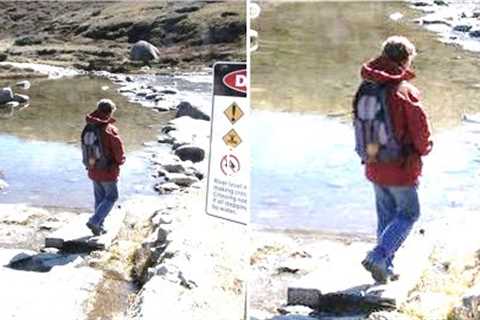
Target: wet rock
x,y
12,104
128,79
144,51
194,172
181,179
186,109
143,93
440,2
25,84
190,152
21,98
6,95
174,168
3,56
164,138
168,91
167,187
474,33
151,96
187,9
435,20
229,14
462,28
28,41
421,3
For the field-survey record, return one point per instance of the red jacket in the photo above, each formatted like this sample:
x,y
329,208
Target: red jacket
x,y
112,144
409,121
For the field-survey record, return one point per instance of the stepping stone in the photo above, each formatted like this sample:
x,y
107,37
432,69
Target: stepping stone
x,y
76,236
342,286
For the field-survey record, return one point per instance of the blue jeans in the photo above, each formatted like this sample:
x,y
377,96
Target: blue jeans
x,y
106,193
397,210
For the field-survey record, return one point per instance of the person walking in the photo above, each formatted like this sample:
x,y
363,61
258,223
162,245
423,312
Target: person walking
x,y
394,178
103,153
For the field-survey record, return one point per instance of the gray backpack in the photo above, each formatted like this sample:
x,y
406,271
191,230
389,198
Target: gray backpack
x,y
93,152
374,135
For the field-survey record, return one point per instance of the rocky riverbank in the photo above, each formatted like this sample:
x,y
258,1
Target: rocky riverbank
x,y
456,22
98,35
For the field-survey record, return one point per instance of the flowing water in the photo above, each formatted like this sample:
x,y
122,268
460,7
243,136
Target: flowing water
x,y
40,155
304,74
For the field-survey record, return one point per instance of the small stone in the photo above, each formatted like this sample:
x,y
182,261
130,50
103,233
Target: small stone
x,y
21,98
166,187
174,168
168,91
12,104
164,138
25,84
474,33
190,152
440,2
161,109
186,109
181,179
6,95
462,28
151,96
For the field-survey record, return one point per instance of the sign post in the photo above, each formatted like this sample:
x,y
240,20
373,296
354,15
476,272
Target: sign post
x,y
228,189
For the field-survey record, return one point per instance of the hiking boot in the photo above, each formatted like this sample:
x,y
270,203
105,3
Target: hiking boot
x,y
377,268
96,230
391,275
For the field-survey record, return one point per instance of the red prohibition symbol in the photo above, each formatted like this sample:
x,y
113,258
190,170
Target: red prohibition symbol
x,y
229,165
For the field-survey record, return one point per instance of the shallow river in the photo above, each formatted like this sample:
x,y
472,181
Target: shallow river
x,y
40,156
305,72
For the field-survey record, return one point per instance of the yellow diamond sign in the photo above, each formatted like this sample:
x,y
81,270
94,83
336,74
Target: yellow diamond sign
x,y
233,113
232,139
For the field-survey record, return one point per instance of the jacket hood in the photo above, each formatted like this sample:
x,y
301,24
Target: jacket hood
x,y
384,70
97,117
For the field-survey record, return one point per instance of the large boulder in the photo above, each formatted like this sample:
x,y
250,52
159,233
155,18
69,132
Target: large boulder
x,y
6,95
144,51
190,152
186,109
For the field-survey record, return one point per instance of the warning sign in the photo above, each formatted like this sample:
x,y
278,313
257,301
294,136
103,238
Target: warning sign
x,y
228,190
233,113
232,139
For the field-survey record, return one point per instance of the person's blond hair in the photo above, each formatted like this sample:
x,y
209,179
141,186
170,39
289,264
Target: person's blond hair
x,y
398,49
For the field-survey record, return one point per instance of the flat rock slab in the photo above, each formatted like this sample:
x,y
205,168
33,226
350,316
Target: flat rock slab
x,y
76,237
340,285
60,294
